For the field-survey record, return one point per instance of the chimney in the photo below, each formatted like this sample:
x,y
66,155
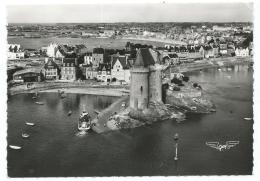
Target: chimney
x,y
46,60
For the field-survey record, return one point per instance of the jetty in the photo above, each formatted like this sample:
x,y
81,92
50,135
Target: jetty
x,y
102,118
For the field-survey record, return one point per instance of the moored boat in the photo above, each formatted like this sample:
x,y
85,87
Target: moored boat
x,y
14,147
84,123
25,135
39,103
29,124
193,108
248,119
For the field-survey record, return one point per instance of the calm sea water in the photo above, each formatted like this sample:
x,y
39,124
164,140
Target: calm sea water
x,y
91,43
53,149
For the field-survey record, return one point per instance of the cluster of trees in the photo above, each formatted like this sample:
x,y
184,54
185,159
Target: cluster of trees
x,y
179,82
15,49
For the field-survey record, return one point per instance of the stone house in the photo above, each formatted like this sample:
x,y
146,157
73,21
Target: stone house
x,y
120,68
97,57
91,73
242,52
104,72
51,69
69,69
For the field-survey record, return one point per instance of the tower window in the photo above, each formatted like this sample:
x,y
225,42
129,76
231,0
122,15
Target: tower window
x,y
141,89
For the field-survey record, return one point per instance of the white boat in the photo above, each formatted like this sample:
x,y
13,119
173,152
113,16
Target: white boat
x,y
84,126
84,123
14,147
25,135
29,124
39,103
193,108
248,119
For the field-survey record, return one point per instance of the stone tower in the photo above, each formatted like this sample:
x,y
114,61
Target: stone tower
x,y
146,83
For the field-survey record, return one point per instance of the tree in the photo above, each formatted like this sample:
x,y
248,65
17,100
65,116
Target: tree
x,y
185,78
176,81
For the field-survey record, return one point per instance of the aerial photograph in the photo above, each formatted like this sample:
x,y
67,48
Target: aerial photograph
x,y
136,89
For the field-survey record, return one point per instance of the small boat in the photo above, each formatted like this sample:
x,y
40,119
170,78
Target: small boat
x,y
213,110
34,97
29,124
248,119
193,108
25,135
14,147
39,103
69,113
84,123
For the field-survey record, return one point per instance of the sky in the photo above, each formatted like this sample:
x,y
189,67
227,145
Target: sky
x,y
152,12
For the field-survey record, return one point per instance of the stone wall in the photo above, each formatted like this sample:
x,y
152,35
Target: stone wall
x,y
139,90
155,85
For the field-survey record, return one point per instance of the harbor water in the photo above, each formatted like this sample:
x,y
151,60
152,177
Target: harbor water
x,y
54,149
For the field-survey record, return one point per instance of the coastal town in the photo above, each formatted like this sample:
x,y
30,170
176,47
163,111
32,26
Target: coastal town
x,y
76,62
106,71
152,98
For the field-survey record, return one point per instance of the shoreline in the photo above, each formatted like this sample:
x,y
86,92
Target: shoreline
x,y
112,90
215,63
71,87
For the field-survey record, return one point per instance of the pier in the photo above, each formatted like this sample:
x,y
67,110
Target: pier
x,y
102,118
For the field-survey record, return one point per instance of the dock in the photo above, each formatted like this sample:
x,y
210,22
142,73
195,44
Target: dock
x,y
104,115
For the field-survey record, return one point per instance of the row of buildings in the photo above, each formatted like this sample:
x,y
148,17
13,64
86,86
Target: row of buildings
x,y
70,63
69,69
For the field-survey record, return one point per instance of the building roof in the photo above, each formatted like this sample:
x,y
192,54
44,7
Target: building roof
x,y
144,58
89,53
70,61
50,63
123,61
80,46
98,50
104,66
29,70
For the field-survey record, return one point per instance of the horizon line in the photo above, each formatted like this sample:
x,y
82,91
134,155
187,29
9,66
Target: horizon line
x,y
132,22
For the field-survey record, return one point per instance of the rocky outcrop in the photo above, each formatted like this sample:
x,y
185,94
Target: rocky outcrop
x,y
190,99
131,118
